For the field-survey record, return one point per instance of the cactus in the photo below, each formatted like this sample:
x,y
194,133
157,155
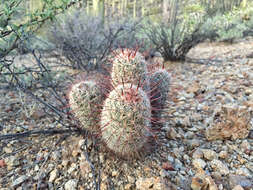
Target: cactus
x,y
160,81
129,66
85,99
125,120
135,99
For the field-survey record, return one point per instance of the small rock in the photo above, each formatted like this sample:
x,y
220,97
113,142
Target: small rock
x,y
72,168
131,179
71,185
241,160
201,181
36,168
170,159
189,135
199,163
53,175
84,168
229,122
167,166
217,165
153,183
238,187
245,145
197,154
172,134
7,150
250,136
19,180
114,173
209,154
128,186
178,164
223,154
12,161
194,143
243,181
56,155
2,163
243,171
38,114
75,153
65,163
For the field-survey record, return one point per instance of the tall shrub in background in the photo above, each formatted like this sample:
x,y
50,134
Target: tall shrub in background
x,y
86,41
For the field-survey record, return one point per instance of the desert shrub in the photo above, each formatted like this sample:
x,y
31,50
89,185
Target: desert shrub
x,y
232,25
194,22
183,31
87,40
220,6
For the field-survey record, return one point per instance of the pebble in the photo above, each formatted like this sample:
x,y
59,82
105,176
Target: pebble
x,y
189,135
71,185
238,187
202,181
131,179
217,165
199,163
114,173
19,180
250,136
2,163
12,161
53,175
197,154
149,183
56,155
243,171
223,154
72,168
194,143
7,150
128,186
209,154
245,145
84,167
243,181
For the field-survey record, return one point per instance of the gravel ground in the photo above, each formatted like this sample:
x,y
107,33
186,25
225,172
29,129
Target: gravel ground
x,y
206,141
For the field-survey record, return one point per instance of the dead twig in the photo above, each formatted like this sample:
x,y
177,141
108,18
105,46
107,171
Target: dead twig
x,y
37,132
85,152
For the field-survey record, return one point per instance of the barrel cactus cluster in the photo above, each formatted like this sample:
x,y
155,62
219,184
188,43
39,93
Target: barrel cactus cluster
x,y
124,114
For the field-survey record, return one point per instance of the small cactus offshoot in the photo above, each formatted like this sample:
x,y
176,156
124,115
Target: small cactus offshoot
x,y
129,66
85,99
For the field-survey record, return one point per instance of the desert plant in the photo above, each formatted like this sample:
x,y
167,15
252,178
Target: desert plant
x,y
85,100
231,25
160,81
130,107
175,38
129,66
87,40
126,119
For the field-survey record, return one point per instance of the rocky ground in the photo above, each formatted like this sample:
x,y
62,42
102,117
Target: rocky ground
x,y
206,142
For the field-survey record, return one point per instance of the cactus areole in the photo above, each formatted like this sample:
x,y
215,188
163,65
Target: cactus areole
x,y
125,119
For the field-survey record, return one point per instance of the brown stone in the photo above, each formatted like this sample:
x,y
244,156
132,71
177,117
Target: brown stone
x,y
201,181
153,183
229,123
